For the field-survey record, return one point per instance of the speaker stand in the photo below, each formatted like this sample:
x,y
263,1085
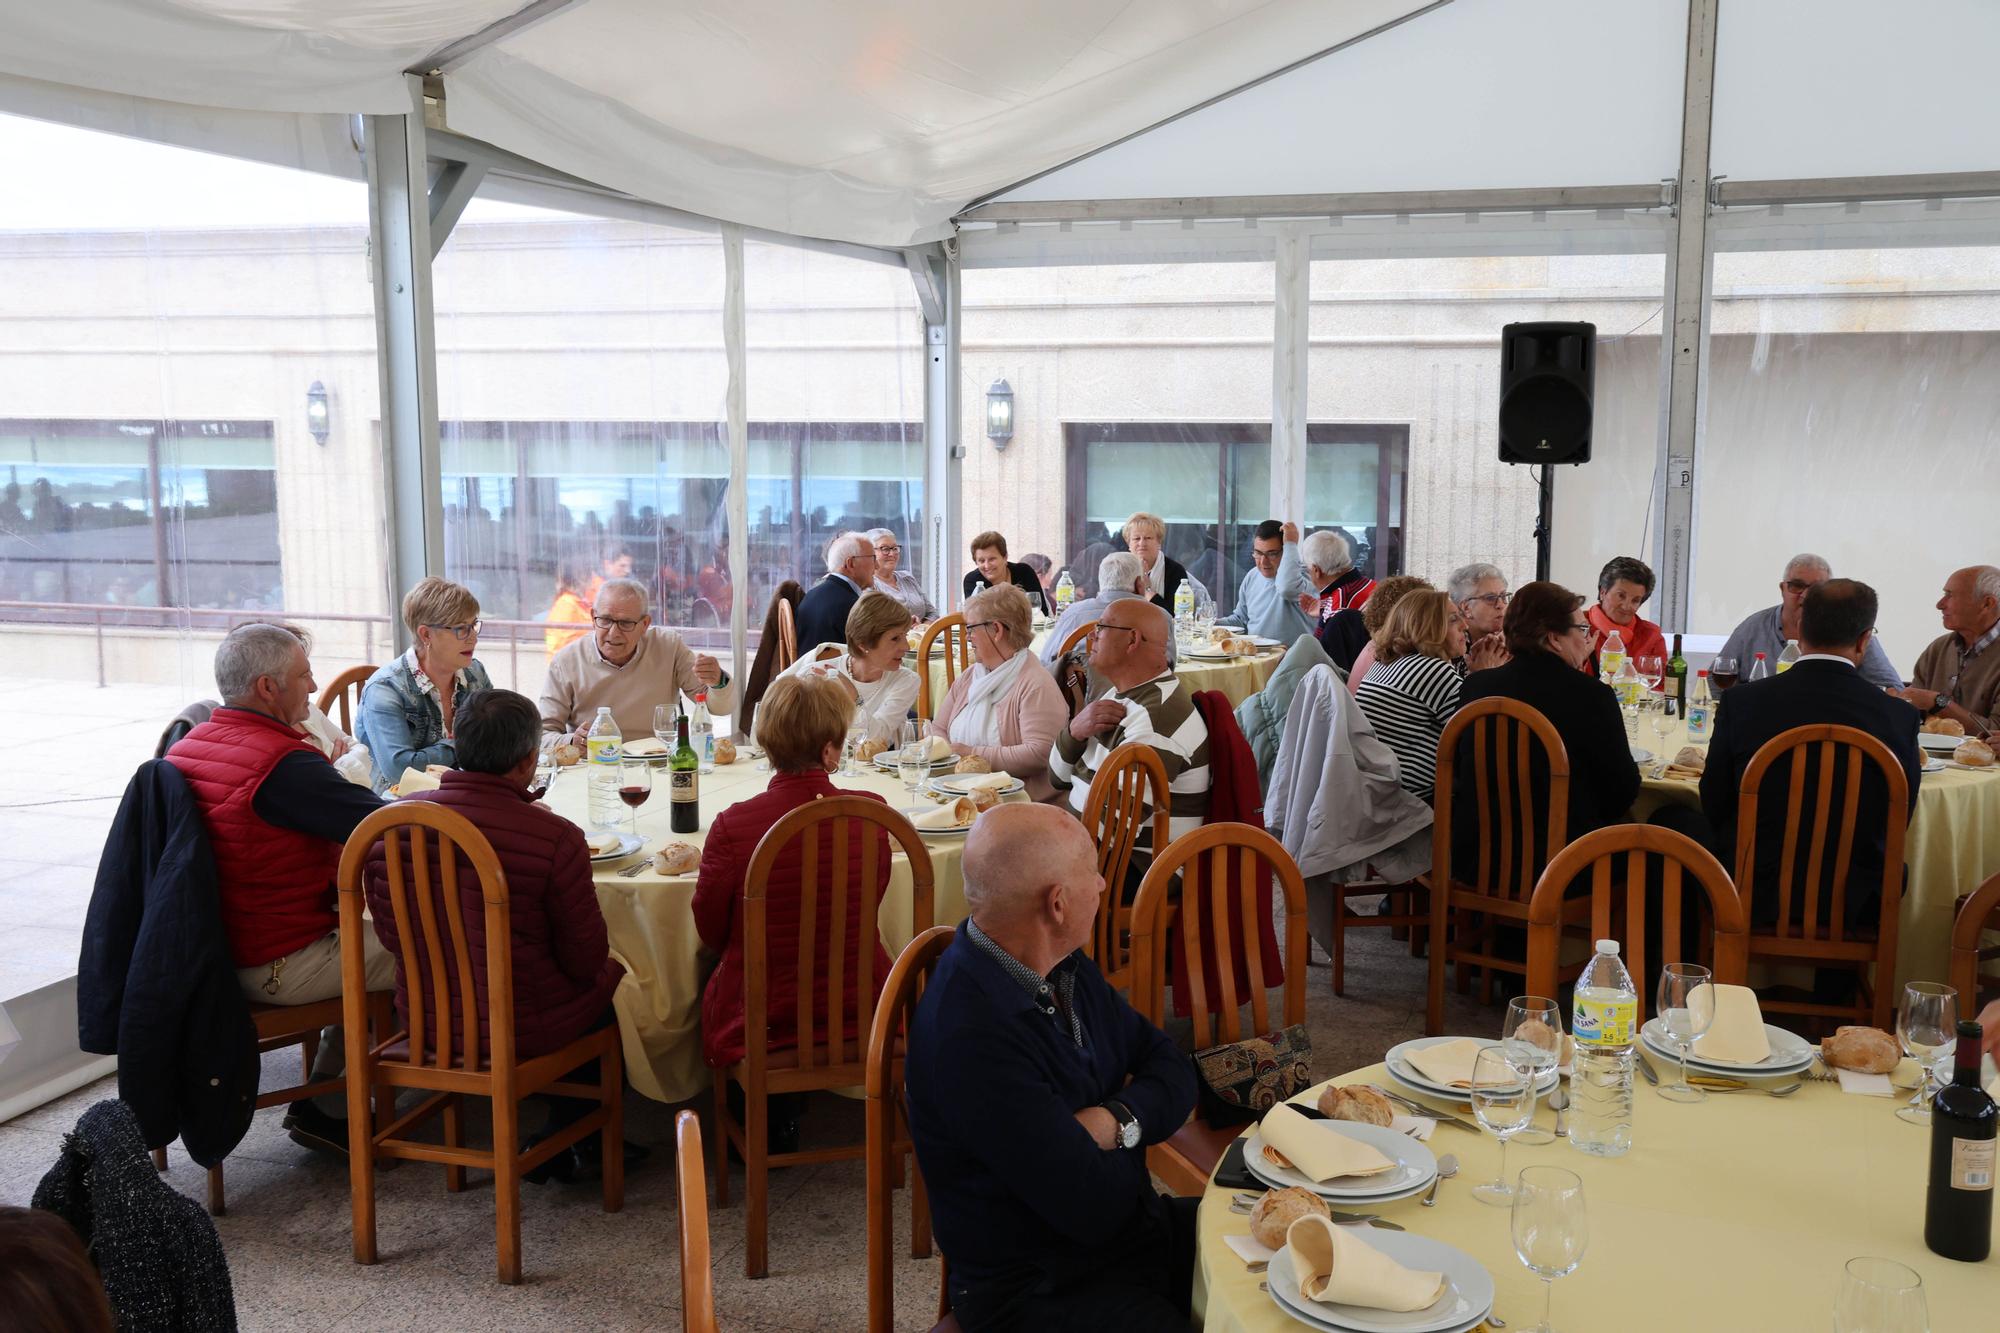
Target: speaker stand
x,y
1544,521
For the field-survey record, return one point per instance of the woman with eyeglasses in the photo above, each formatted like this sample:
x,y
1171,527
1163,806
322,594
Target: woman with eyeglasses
x,y
869,665
408,706
1007,709
894,580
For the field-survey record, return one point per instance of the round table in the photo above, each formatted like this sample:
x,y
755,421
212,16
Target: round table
x,y
1236,677
650,917
1737,1212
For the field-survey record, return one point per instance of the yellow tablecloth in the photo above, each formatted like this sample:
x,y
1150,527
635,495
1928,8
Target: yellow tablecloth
x,y
1736,1213
650,919
1953,845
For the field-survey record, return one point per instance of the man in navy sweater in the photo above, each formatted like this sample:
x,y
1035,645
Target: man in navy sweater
x,y
1034,1089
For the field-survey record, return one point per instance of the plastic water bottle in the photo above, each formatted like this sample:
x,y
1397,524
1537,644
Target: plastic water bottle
x,y
1789,656
1700,710
1611,658
1065,592
606,746
1759,669
1184,604
1607,1009
704,732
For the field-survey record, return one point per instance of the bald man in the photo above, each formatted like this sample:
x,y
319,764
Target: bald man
x,y
1147,703
1033,1092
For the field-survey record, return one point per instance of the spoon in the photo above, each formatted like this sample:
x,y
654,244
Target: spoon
x,y
1447,1168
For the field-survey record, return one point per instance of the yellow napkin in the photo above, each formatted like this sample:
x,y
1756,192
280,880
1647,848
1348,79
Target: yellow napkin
x,y
1337,1266
645,747
982,781
944,817
1448,1062
1737,1035
1319,1152
416,780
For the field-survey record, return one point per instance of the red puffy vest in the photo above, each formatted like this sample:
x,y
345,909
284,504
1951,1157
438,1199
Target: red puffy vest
x,y
276,885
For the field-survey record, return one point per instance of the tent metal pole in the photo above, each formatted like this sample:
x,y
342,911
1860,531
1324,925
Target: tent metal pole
x,y
1291,304
737,409
943,453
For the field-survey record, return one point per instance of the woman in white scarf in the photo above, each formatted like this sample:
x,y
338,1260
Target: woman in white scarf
x,y
1007,709
870,665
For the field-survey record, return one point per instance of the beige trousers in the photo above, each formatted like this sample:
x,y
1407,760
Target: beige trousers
x,y
312,972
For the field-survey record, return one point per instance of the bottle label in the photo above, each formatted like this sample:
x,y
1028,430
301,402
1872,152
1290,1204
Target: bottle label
x,y
1972,1164
604,750
683,786
1604,1022
1673,687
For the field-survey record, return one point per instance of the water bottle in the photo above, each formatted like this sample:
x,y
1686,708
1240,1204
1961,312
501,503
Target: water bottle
x,y
1184,605
1607,1009
1065,592
1789,656
1759,669
704,732
1700,710
606,746
1611,658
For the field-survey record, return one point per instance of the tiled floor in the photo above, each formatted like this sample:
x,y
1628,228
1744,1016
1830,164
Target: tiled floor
x,y
287,1231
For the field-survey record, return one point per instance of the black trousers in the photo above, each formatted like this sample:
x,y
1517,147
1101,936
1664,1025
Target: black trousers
x,y
1144,1286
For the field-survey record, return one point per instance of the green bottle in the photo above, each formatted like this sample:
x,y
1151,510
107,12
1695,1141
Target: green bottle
x,y
1677,681
684,777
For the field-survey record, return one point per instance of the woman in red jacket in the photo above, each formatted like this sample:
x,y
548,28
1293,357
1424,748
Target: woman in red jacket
x,y
801,723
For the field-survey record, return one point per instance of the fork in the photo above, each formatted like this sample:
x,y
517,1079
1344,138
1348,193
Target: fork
x,y
638,869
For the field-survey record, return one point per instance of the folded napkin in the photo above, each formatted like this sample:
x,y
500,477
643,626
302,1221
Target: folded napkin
x,y
645,747
1737,1035
600,843
937,747
1339,1267
1865,1085
956,815
415,779
1320,1153
983,781
1448,1062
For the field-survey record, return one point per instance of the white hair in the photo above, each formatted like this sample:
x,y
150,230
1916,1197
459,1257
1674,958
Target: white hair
x,y
1464,581
877,534
1327,551
633,586
1807,560
249,653
1120,571
844,547
1986,581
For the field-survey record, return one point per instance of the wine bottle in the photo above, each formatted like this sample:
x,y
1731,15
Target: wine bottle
x,y
684,777
1676,682
1958,1214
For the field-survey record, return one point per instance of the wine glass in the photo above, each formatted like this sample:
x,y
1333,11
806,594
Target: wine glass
x,y
1503,1098
635,785
850,759
1722,673
1551,1230
663,725
1652,670
1686,1007
1927,1027
1532,1037
1880,1296
1665,724
912,758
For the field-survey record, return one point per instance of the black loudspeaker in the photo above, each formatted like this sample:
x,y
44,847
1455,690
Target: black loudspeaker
x,y
1546,375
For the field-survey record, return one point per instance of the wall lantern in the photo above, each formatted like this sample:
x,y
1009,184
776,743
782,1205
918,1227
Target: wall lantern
x,y
319,419
999,413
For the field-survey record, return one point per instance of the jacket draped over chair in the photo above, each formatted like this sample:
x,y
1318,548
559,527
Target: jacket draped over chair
x,y
1336,801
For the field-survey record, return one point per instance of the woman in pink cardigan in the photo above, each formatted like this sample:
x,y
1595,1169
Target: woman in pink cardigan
x,y
1008,708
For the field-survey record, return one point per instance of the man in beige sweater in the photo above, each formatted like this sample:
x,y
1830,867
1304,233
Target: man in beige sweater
x,y
628,665
1957,676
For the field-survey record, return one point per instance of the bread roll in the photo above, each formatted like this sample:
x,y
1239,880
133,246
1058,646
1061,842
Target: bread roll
x,y
983,798
1868,1050
1363,1105
677,858
1272,1215
1973,754
725,751
867,750
1219,633
1944,726
973,763
1692,756
567,754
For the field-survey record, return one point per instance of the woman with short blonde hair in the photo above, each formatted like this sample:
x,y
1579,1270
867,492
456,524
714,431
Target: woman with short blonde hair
x,y
869,665
992,569
1146,537
409,705
803,724
1007,709
1412,691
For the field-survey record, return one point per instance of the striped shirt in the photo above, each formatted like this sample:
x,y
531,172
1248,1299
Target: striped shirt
x,y
1160,713
1408,702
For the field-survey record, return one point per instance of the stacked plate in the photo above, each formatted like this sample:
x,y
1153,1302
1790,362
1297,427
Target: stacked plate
x,y
1401,1071
886,761
1467,1299
963,784
1416,1166
1790,1054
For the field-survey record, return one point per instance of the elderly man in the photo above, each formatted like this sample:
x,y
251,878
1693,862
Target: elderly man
x,y
1331,578
1479,591
1145,536
1034,1090
1147,703
1119,578
898,582
1274,600
1958,676
627,664
850,571
277,813
1767,631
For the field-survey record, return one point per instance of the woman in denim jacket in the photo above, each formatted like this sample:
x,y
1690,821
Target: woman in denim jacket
x,y
407,707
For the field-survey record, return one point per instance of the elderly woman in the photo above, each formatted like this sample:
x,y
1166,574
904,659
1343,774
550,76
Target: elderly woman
x,y
1146,537
801,724
1412,690
1623,586
869,665
1372,618
1008,708
893,579
992,569
408,707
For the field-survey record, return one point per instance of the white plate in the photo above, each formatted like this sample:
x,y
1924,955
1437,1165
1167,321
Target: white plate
x,y
955,784
912,812
1261,641
1932,741
627,844
1206,655
886,761
1789,1052
1468,1296
1932,766
1415,1165
1400,1069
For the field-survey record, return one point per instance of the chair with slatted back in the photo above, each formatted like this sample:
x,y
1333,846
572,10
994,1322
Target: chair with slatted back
x,y
427,852
826,1056
1114,813
788,633
345,693
697,1276
884,1109
1208,927
1080,634
1978,914
957,654
1509,741
1614,897
1810,925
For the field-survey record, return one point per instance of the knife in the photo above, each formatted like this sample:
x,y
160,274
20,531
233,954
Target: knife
x,y
1418,1108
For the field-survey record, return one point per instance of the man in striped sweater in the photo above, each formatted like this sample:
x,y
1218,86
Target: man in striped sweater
x,y
1147,703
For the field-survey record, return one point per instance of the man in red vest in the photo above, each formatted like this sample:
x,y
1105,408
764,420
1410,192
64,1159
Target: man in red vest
x,y
277,813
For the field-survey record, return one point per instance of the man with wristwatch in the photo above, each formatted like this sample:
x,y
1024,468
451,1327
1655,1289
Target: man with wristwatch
x,y
1033,1089
1958,675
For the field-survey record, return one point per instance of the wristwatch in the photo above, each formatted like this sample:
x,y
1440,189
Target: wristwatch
x,y
1128,1124
1942,702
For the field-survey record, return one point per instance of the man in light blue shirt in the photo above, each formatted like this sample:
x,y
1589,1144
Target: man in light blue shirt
x,y
1268,603
1768,630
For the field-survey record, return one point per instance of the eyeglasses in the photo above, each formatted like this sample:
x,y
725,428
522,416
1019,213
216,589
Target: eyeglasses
x,y
1584,628
980,624
1797,585
1495,599
606,622
459,632
1261,556
887,550
1102,627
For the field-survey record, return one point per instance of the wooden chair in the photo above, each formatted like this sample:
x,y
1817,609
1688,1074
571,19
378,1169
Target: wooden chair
x,y
1187,1159
345,690
788,635
1114,813
884,1107
433,956
1506,737
1079,635
1978,912
957,658
1596,855
820,1062
1824,939
697,1279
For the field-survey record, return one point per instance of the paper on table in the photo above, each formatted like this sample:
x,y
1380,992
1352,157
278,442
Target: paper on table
x,y
1448,1062
1249,1249
1418,1127
1339,1267
1737,1035
1319,1153
645,747
1865,1085
416,780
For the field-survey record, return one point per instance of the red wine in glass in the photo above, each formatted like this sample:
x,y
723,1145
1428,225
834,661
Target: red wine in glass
x,y
1722,680
634,796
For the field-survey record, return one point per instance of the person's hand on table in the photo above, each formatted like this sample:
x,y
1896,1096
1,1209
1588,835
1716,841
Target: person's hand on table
x,y
1101,1125
707,670
1488,651
1096,717
1291,534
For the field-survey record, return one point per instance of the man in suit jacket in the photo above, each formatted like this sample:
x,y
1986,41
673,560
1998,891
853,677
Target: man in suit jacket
x,y
850,569
1836,629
